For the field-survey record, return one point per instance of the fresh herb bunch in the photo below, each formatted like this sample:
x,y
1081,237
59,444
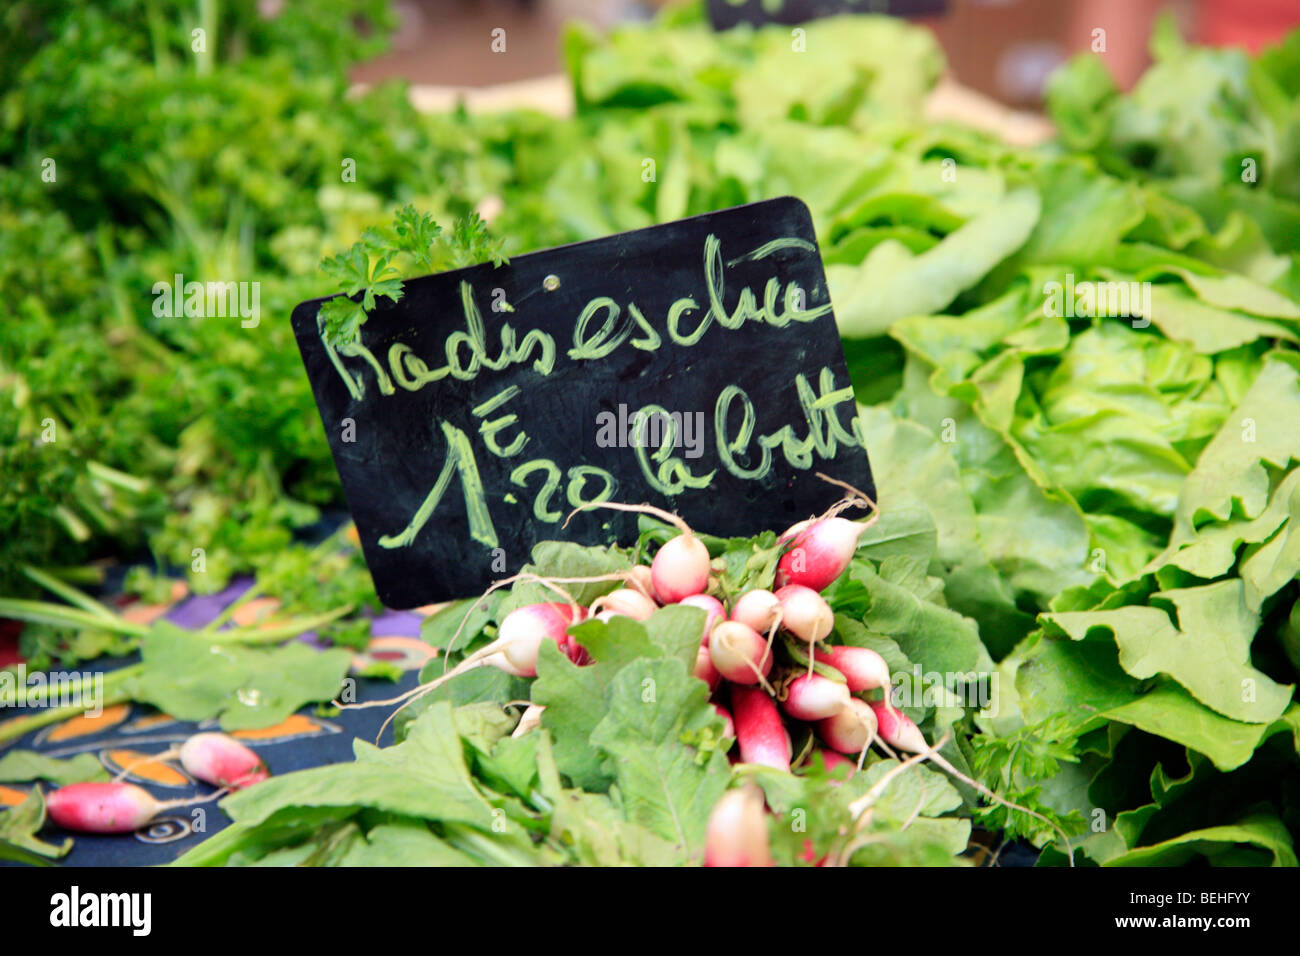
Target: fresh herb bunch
x,y
170,433
371,267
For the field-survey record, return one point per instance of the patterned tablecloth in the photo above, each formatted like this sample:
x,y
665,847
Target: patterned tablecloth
x,y
125,734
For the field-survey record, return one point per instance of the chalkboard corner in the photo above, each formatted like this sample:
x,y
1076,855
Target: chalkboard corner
x,y
303,317
797,207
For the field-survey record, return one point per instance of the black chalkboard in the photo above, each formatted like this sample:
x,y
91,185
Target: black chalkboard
x,y
457,455
725,14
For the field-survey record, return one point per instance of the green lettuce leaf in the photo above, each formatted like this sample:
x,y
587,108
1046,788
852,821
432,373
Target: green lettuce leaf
x,y
1204,646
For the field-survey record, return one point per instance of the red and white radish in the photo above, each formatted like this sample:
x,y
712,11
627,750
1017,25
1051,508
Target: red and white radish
x,y
729,730
814,697
222,761
805,613
794,530
737,831
628,602
712,608
851,730
760,731
758,608
680,568
520,636
819,553
517,644
862,667
834,761
575,651
639,577
897,729
705,670
97,807
739,653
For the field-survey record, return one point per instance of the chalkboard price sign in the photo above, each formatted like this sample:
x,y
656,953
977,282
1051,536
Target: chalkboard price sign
x,y
725,14
693,365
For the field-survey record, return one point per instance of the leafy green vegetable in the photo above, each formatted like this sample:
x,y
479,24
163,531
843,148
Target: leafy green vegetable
x,y
18,828
18,766
892,284
653,705
1256,840
368,269
1206,650
425,775
193,677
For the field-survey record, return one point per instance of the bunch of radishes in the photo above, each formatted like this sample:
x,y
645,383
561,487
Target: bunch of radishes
x,y
737,654
736,657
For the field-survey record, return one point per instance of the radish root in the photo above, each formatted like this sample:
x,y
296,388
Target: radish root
x,y
762,680
649,509
191,801
859,499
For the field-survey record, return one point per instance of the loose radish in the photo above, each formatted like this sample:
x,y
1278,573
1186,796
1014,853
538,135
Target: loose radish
x,y
96,807
759,730
711,606
730,729
739,653
862,667
805,613
628,602
737,830
814,697
680,569
705,670
819,553
222,761
851,730
758,608
520,636
897,729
